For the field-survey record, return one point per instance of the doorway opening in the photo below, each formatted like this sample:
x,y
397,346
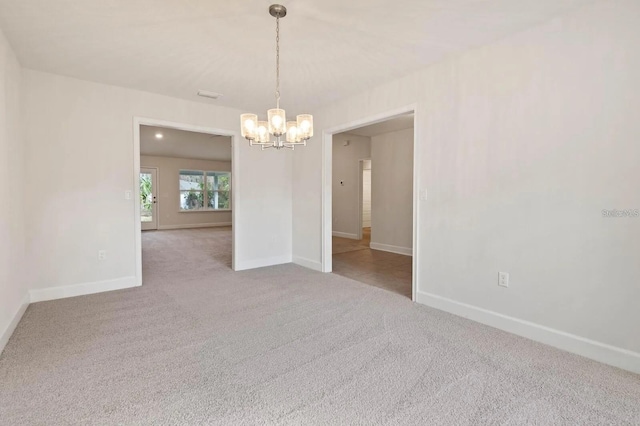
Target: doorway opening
x,y
185,179
370,227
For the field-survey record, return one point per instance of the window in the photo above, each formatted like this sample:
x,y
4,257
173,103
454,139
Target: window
x,y
200,190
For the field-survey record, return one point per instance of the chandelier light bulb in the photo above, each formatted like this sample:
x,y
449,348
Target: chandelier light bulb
x,y
277,119
263,132
259,132
292,132
305,126
249,124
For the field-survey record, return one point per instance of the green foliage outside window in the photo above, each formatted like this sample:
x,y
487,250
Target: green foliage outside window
x,y
205,190
146,200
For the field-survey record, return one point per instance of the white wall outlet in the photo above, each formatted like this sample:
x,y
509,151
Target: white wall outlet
x,y
127,195
423,195
503,279
102,255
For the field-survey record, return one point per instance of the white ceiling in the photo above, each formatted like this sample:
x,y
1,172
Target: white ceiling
x,y
329,49
183,144
393,125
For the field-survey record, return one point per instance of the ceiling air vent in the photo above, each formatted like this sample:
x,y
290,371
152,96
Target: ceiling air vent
x,y
208,94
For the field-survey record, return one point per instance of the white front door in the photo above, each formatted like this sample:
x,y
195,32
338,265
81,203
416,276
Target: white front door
x,y
148,199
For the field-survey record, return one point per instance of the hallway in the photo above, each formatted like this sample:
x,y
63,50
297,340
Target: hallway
x,y
354,259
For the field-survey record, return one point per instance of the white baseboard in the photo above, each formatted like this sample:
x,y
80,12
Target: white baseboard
x,y
407,251
194,225
8,331
345,235
308,263
53,293
601,352
261,263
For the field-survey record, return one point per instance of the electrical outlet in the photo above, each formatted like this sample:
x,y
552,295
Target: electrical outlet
x,y
503,279
423,195
127,195
102,255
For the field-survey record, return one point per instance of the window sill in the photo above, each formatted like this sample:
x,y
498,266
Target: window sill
x,y
204,211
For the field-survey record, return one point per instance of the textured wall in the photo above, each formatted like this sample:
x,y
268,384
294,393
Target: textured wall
x,y
79,151
13,284
392,189
346,180
521,145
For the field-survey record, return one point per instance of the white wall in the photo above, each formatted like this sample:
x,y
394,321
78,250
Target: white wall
x,y
79,153
168,193
346,205
392,191
13,284
521,144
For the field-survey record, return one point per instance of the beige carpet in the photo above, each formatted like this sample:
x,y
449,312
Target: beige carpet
x,y
200,344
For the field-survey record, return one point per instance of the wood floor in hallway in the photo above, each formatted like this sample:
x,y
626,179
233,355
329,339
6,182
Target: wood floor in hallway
x,y
354,259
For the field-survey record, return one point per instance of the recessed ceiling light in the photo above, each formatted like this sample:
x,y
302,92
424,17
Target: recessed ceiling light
x,y
159,136
208,94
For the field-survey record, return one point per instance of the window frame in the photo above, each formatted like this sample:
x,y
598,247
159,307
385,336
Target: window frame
x,y
205,190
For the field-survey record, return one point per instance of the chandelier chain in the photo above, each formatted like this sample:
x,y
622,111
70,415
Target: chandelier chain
x,y
278,61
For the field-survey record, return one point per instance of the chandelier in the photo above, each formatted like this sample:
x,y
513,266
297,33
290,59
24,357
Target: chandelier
x,y
259,132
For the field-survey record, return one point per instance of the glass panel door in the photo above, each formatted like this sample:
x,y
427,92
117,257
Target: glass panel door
x,y
148,199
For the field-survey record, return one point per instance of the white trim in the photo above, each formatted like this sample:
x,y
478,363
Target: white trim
x,y
235,173
618,357
261,263
360,195
308,263
327,202
194,225
415,270
6,334
137,227
62,292
327,163
407,251
345,235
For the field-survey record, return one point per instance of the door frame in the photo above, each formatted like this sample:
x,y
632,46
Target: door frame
x,y
235,173
327,190
361,195
155,185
